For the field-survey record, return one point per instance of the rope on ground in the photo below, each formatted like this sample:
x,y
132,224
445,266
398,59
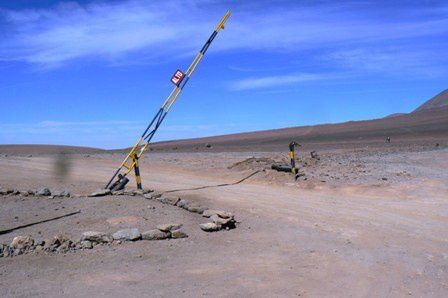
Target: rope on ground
x,y
38,222
218,185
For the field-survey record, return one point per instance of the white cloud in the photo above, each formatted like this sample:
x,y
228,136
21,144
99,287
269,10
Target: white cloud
x,y
151,30
397,60
275,81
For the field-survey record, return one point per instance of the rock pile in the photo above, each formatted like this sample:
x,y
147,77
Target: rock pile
x,y
101,192
176,201
219,219
41,192
62,244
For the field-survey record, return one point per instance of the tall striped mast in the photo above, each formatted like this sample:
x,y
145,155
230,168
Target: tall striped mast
x,y
179,79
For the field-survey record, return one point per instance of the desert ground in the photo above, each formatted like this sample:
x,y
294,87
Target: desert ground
x,y
367,218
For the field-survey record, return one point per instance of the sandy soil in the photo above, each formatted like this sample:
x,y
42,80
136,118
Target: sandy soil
x,y
344,231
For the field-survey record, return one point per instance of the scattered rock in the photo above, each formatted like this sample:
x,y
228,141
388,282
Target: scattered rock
x,y
47,244
169,227
147,196
6,191
127,234
22,242
178,234
44,192
100,193
209,227
155,234
314,155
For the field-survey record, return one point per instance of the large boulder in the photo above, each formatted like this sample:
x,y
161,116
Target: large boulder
x,y
44,192
169,227
127,234
101,193
155,234
22,242
97,237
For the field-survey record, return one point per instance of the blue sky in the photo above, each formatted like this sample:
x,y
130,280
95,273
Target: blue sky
x,y
93,73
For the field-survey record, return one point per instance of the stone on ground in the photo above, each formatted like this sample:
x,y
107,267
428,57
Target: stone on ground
x,y
155,234
86,244
100,193
43,192
209,227
196,209
127,234
169,227
22,242
178,234
220,213
220,221
61,194
98,237
59,239
183,204
169,200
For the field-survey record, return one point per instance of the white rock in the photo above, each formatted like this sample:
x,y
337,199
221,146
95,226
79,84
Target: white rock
x,y
127,234
209,227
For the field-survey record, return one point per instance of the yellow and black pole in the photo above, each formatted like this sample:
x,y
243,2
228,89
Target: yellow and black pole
x,y
138,179
179,79
293,157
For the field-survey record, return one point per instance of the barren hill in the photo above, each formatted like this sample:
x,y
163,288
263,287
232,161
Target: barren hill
x,y
46,149
428,122
438,101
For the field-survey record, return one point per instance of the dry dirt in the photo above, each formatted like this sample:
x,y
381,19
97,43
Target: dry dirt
x,y
365,222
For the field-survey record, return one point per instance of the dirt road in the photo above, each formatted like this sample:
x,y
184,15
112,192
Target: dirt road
x,y
365,237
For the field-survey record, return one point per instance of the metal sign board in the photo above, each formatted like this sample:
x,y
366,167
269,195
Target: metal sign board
x,y
177,77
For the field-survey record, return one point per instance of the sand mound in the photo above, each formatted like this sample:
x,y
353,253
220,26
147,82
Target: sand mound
x,y
253,163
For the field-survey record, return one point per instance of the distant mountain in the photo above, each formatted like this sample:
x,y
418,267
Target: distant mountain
x,y
395,115
46,149
438,101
